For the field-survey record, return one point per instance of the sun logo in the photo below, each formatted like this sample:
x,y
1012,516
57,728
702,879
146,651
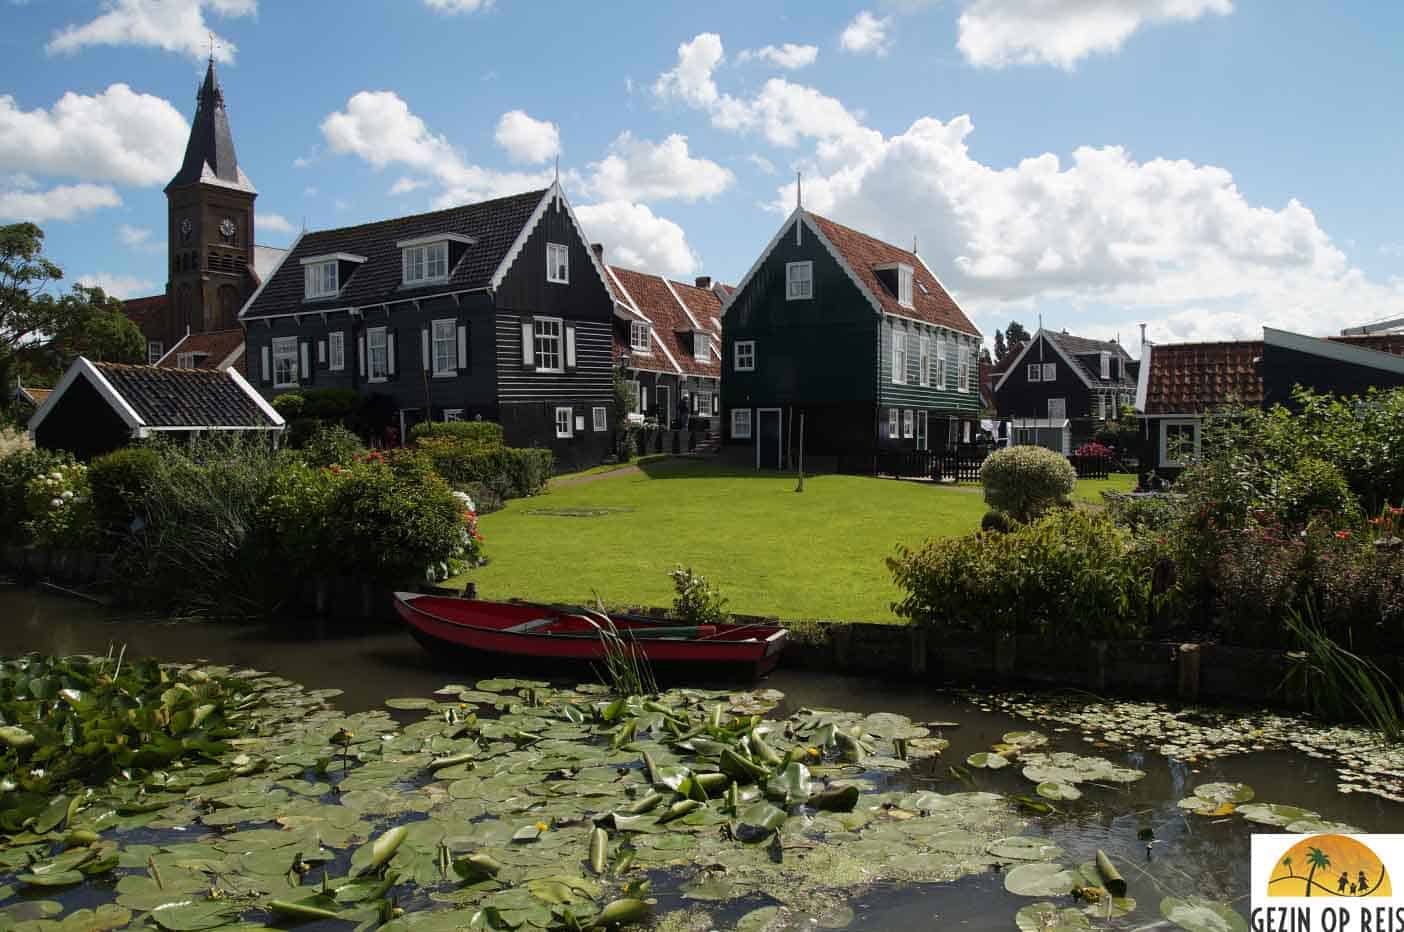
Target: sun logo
x,y
1329,865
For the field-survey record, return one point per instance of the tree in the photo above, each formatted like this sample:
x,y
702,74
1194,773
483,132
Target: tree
x,y
985,356
1287,863
1016,337
40,333
1001,349
1317,859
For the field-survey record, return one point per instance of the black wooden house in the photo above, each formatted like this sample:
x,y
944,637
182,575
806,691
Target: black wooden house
x,y
496,310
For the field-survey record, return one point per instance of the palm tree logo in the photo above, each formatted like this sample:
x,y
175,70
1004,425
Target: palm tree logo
x,y
1287,863
1318,859
1328,855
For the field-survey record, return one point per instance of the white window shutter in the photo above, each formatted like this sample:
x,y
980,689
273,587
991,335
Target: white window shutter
x,y
424,348
361,354
267,365
462,347
390,352
570,346
528,344
321,352
303,367
643,397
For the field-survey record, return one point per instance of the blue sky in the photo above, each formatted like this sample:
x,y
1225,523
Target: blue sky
x,y
1205,166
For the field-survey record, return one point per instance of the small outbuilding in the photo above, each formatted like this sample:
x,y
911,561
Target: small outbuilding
x,y
100,406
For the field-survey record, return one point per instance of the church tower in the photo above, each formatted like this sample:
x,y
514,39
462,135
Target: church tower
x,y
210,225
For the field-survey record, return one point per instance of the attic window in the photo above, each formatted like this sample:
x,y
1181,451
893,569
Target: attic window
x,y
426,263
557,264
1106,365
638,336
799,281
701,346
322,279
904,285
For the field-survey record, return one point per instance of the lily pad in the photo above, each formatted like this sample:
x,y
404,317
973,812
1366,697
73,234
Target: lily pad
x,y
1058,791
1217,799
1039,879
1048,917
1196,914
1025,848
987,760
192,915
1275,813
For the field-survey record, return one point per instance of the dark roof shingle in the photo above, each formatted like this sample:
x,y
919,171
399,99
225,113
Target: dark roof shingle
x,y
494,225
1076,346
184,397
211,348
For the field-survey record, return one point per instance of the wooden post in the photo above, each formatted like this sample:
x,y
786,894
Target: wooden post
x,y
1187,668
800,486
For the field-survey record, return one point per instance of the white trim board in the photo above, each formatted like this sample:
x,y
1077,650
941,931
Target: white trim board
x,y
1042,334
81,368
1143,378
271,275
256,397
678,298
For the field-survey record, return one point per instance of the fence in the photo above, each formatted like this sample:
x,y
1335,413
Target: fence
x,y
962,466
1092,467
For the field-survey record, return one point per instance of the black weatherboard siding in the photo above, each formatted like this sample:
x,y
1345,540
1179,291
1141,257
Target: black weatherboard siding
x,y
496,284
1285,369
84,424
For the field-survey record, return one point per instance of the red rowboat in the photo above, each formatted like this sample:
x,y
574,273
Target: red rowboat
x,y
524,629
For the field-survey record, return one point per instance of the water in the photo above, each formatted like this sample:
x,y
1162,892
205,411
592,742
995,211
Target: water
x,y
1191,855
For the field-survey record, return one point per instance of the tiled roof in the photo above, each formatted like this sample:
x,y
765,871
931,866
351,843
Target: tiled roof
x,y
144,310
1191,378
37,396
493,224
184,397
703,303
216,345
1080,346
863,253
652,298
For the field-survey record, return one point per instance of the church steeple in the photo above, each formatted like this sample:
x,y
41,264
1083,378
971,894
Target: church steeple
x,y
209,155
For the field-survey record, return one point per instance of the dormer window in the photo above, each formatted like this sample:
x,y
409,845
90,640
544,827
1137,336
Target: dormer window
x,y
322,279
638,336
701,346
799,281
904,285
557,264
1106,365
428,263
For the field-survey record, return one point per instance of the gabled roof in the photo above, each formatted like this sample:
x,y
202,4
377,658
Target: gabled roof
x,y
35,396
1068,348
496,226
151,398
667,306
1194,378
214,349
144,310
209,153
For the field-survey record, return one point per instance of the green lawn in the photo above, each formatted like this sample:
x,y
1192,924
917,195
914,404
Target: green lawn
x,y
815,555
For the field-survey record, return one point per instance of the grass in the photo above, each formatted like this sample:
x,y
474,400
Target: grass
x,y
567,477
812,555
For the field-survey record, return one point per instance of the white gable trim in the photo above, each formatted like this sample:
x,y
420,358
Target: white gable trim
x,y
81,368
271,275
1334,350
755,266
553,194
653,332
167,354
843,264
929,271
1143,377
328,257
678,298
629,301
1043,335
257,398
229,361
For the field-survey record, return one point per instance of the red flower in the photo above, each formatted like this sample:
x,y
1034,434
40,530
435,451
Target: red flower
x,y
1343,535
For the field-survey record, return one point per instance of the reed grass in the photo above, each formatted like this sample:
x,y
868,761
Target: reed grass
x,y
625,670
1341,684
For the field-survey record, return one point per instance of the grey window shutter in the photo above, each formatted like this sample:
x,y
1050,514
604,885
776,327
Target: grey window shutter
x,y
569,347
389,352
361,354
528,345
462,347
303,368
267,364
321,352
424,348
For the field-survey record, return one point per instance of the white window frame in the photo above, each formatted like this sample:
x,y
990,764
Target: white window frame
x,y
336,350
557,259
1033,372
284,350
426,263
740,423
1062,404
371,350
701,346
941,363
565,429
963,375
599,418
638,335
899,352
321,279
702,402
444,333
155,349
893,424
185,360
1106,365
744,353
924,360
799,287
453,414
905,276
922,429
1165,426
548,337
1050,372
908,424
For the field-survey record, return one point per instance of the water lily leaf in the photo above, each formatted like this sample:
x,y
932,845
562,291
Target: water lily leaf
x,y
758,920
370,857
987,760
52,879
1322,827
791,784
1196,914
710,887
15,737
411,704
1111,907
1216,799
1058,791
30,910
1275,813
1025,848
1025,739
762,815
192,915
53,815
1048,917
1039,879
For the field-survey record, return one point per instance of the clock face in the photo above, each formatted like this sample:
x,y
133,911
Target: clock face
x,y
226,228
185,227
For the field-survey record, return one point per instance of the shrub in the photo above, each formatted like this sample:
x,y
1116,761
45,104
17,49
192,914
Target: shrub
x,y
121,482
478,435
1026,481
289,406
485,500
697,602
508,472
996,521
1094,450
1312,489
13,440
60,508
389,524
1145,514
293,519
330,403
1070,574
16,471
331,444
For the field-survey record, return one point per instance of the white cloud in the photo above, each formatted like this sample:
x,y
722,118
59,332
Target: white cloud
x,y
640,170
997,33
64,202
133,237
789,56
117,135
691,79
761,162
527,141
275,223
458,6
380,128
866,34
637,238
406,186
172,25
118,286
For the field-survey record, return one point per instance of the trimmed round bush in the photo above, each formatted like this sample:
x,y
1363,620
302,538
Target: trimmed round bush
x,y
1026,481
121,482
996,521
290,405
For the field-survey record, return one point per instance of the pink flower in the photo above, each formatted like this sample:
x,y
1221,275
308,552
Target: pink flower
x,y
1343,535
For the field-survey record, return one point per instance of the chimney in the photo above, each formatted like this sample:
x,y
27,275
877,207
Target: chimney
x,y
1143,334
598,250
704,282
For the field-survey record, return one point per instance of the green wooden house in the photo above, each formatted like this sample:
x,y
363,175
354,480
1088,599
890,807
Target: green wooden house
x,y
856,335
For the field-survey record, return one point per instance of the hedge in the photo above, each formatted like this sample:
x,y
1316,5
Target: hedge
x,y
511,473
477,434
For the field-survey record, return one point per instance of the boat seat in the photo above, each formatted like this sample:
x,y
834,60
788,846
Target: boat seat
x,y
528,626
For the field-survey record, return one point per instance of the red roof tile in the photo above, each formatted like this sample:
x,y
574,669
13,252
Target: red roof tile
x,y
1191,378
863,253
1392,343
144,310
651,296
216,345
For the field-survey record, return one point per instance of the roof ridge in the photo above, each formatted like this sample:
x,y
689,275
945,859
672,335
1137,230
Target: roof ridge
x,y
857,232
536,194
